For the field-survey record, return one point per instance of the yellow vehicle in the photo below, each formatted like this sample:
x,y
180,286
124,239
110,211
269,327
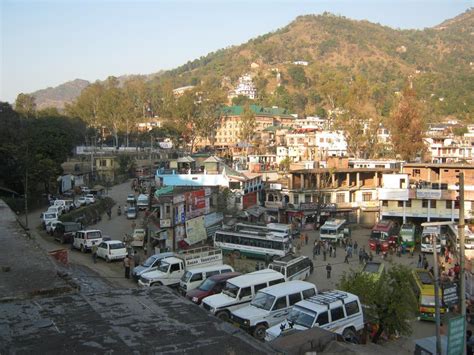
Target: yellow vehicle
x,y
423,282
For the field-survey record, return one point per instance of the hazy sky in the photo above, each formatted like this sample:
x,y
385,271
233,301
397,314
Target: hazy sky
x,y
46,43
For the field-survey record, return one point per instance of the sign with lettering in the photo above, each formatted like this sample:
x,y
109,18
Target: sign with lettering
x,y
428,194
165,222
450,294
456,334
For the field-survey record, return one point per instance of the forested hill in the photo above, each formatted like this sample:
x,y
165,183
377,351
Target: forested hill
x,y
438,61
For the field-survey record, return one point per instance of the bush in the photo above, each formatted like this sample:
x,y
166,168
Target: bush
x,y
88,214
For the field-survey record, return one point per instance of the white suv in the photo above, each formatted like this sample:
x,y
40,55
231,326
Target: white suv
x,y
271,306
83,239
337,311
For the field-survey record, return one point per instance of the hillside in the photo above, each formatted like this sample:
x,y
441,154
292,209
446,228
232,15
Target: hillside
x,y
438,61
59,95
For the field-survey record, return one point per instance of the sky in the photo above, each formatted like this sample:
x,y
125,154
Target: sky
x,y
46,43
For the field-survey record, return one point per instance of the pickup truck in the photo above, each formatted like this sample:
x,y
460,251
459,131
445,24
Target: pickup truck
x,y
171,269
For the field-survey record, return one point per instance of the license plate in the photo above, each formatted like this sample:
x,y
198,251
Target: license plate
x,y
235,324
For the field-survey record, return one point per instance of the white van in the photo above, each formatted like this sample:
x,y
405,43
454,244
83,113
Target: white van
x,y
83,239
337,311
47,217
142,202
333,230
271,306
56,209
194,277
67,205
239,291
292,267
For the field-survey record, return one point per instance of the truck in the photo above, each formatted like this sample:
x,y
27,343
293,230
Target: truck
x,y
171,269
142,202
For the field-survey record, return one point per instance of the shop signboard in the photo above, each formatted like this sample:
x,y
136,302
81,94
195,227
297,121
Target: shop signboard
x,y
456,334
195,230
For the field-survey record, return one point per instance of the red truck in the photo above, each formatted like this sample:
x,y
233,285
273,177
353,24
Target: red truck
x,y
385,234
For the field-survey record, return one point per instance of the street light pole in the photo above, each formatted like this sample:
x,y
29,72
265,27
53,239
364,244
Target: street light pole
x,y
461,234
436,290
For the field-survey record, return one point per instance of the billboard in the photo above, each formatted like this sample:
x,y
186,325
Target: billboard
x,y
195,230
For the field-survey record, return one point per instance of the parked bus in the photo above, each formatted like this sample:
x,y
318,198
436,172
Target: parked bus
x,y
333,230
253,243
433,231
407,234
384,234
423,283
271,227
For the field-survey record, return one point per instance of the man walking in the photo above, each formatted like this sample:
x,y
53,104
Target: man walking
x,y
136,259
126,264
346,259
315,250
306,238
94,252
328,270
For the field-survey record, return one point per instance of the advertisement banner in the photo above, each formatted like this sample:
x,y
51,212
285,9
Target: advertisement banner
x,y
195,230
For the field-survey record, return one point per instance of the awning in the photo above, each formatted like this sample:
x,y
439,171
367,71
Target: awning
x,y
256,211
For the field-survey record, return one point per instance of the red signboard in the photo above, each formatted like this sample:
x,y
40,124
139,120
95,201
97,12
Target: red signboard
x,y
249,200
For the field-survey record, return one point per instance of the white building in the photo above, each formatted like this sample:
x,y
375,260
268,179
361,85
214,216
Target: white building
x,y
330,144
245,87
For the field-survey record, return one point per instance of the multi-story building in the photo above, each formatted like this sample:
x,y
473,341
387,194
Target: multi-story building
x,y
427,192
449,149
336,190
228,132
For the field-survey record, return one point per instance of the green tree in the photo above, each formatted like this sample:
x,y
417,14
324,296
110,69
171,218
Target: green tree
x,y
210,115
25,105
240,100
186,113
390,301
297,75
407,126
248,124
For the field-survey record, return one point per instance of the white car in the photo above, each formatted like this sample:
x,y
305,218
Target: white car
x,y
90,199
56,209
131,198
51,226
111,250
85,189
48,217
81,201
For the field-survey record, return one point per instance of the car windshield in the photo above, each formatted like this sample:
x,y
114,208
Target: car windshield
x,y
231,290
263,300
131,210
186,276
302,317
378,235
428,300
49,215
207,285
164,267
327,231
117,246
149,262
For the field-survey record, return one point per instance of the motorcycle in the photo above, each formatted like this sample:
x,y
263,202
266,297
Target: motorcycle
x,y
119,211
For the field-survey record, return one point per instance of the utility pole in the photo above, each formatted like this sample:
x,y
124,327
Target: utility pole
x,y
462,281
434,239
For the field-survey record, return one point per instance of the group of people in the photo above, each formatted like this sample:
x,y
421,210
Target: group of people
x,y
325,248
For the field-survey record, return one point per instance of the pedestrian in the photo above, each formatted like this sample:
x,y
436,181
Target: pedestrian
x,y
355,247
371,256
420,262
361,255
94,252
377,249
324,253
311,267
318,249
328,270
349,249
399,251
306,238
126,265
267,259
136,259
425,264
315,251
346,259
469,342
334,250
412,250
330,250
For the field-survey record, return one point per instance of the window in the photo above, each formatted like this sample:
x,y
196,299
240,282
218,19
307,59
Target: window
x,y
196,277
367,196
296,199
280,303
337,313
307,198
424,203
309,293
322,318
212,273
400,203
246,291
275,282
385,203
174,267
408,203
433,203
352,308
259,287
416,172
340,198
238,199
103,162
295,297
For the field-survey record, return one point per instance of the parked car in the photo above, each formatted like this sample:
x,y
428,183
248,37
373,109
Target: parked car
x,y
131,199
150,264
51,226
47,217
67,205
83,239
90,198
193,278
211,286
85,189
56,209
131,213
81,201
111,250
65,231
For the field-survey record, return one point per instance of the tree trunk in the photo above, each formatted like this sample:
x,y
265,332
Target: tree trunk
x,y
377,335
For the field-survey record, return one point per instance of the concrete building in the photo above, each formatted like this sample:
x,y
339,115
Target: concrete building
x,y
427,192
245,87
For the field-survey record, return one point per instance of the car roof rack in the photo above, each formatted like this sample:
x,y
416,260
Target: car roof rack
x,y
328,297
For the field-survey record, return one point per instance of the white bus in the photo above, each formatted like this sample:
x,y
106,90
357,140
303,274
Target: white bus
x,y
426,238
271,227
253,243
333,229
292,267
